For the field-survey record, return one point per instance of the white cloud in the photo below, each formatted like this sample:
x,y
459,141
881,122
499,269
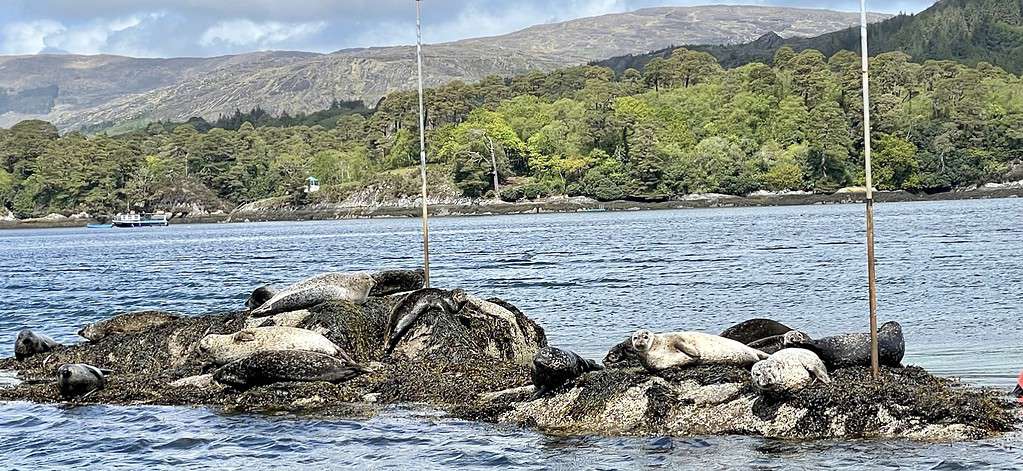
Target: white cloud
x,y
27,37
242,32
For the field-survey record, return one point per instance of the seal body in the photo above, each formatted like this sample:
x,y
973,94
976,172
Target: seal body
x,y
30,343
622,355
788,371
79,379
260,296
286,365
221,349
750,331
356,287
553,367
673,349
414,304
127,323
769,345
843,351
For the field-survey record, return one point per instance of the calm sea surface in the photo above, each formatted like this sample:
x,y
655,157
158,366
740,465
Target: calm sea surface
x,y
950,272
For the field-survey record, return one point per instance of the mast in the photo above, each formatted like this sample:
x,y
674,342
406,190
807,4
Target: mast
x,y
871,272
422,148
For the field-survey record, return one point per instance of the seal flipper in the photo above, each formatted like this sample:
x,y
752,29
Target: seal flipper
x,y
684,347
539,392
342,374
819,372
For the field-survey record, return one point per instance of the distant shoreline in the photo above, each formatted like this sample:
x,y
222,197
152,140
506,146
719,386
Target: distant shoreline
x,y
550,205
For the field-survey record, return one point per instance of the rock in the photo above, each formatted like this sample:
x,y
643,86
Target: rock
x,y
7,216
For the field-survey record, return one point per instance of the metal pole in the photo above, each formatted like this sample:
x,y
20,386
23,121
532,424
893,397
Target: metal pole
x,y
871,273
422,148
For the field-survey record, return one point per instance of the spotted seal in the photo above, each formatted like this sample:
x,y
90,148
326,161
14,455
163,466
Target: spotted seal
x,y
788,371
414,304
221,349
661,351
260,296
356,287
29,343
842,351
622,355
553,367
278,366
750,331
127,323
80,380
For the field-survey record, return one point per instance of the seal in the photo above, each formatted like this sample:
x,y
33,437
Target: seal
x,y
30,343
221,349
845,350
127,323
260,296
672,349
553,367
622,355
788,371
356,287
769,345
413,305
278,366
750,331
80,380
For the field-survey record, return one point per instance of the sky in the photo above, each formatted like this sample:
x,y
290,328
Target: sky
x,y
174,28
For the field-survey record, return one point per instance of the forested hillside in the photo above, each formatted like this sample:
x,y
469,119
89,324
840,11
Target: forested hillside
x,y
682,125
968,31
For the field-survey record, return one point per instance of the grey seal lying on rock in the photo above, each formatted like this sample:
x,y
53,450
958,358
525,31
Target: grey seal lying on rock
x,y
30,343
221,349
553,367
277,366
843,351
127,323
414,304
355,287
661,351
622,355
750,331
260,296
79,379
789,371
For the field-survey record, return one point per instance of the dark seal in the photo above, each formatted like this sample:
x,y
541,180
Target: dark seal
x,y
30,343
843,351
80,380
753,330
414,305
260,296
390,282
277,366
623,355
553,367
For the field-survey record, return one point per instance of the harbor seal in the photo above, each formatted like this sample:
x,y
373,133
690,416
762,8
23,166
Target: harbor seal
x,y
222,349
843,351
80,380
260,296
622,355
672,349
356,287
750,331
30,343
287,365
414,304
788,371
553,367
127,323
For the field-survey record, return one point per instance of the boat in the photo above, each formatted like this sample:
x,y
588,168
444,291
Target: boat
x,y
140,220
99,226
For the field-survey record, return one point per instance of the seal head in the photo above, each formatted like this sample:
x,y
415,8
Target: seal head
x,y
30,343
642,340
553,367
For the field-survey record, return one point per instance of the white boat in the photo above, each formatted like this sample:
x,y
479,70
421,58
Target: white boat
x,y
140,220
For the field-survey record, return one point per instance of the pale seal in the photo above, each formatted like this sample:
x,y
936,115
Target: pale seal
x,y
221,349
79,379
414,304
287,365
260,296
672,349
30,343
750,331
789,371
553,367
127,323
843,351
356,287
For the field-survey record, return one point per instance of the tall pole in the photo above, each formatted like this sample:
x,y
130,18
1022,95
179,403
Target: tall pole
x,y
871,273
422,148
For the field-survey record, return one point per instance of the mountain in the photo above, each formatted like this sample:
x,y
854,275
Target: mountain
x,y
74,91
968,31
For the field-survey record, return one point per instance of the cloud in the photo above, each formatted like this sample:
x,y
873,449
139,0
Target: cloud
x,y
242,32
27,37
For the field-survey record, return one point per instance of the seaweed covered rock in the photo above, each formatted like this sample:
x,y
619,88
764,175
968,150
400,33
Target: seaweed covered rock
x,y
717,400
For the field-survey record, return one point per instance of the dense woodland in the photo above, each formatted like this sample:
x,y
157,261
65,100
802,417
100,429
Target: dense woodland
x,y
682,125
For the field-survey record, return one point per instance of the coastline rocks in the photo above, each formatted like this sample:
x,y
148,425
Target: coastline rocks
x,y
127,323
